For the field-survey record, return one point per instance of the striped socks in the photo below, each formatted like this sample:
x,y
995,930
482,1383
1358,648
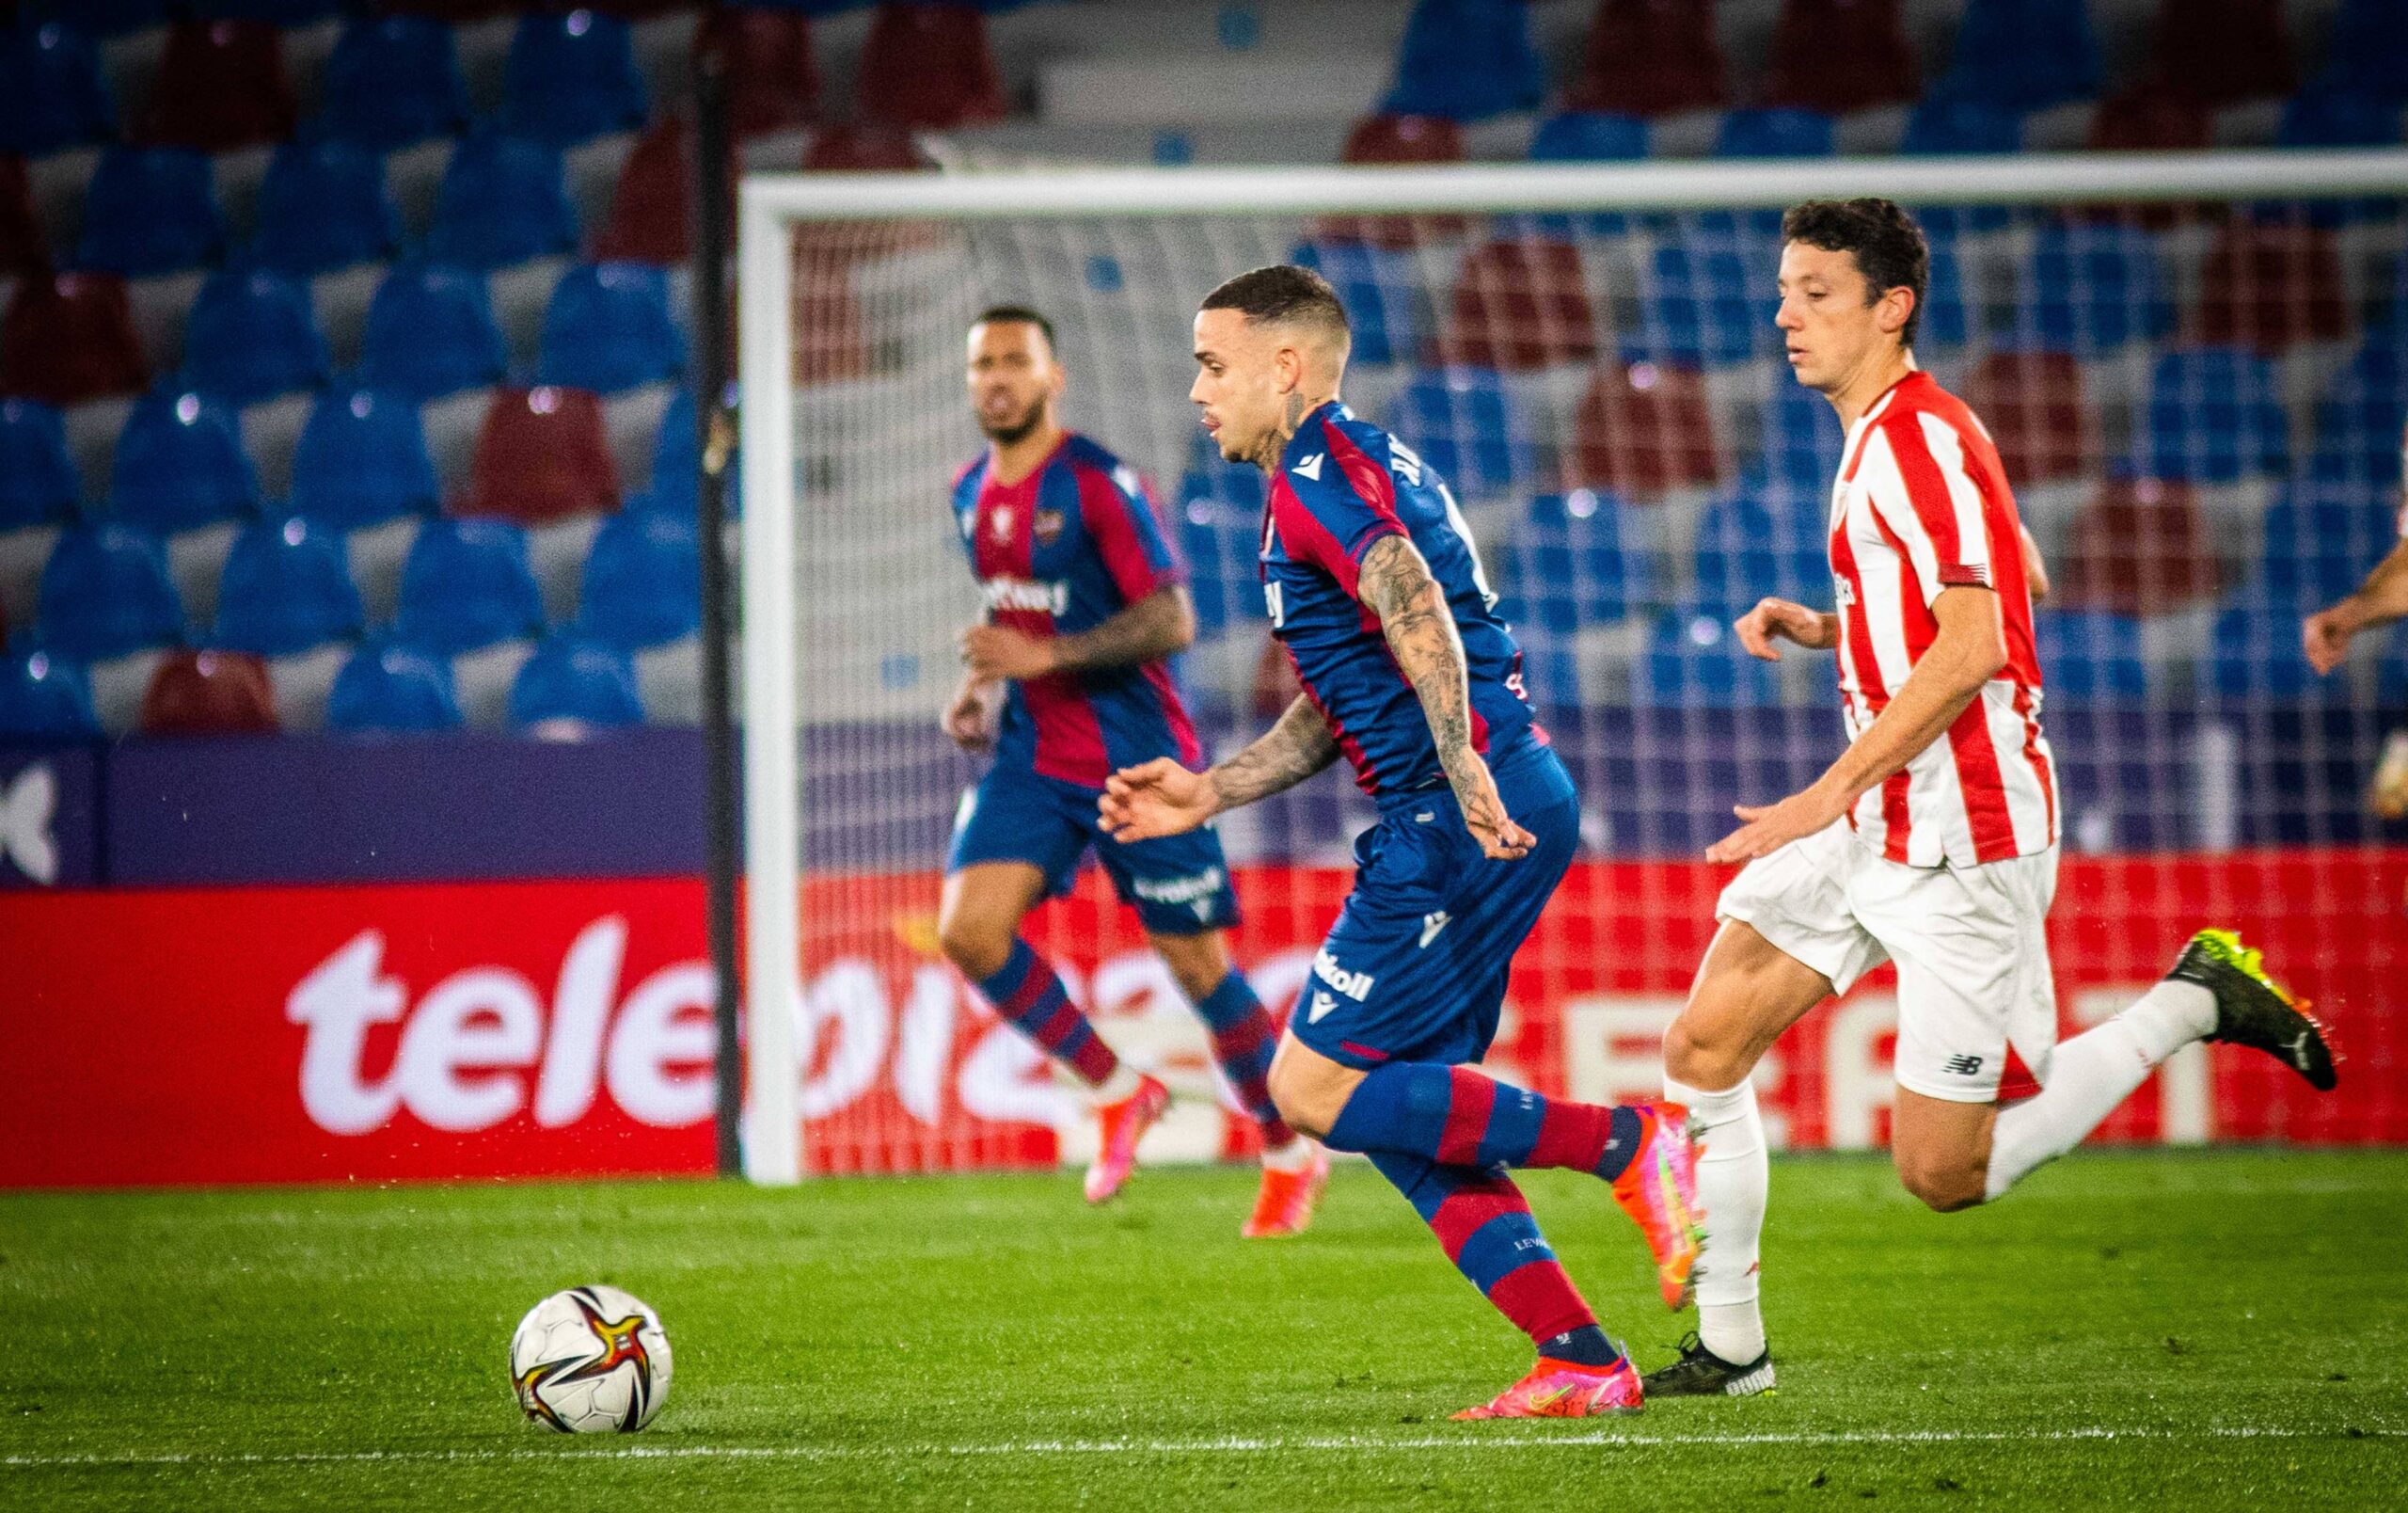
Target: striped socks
x,y
1243,1040
1487,1230
1027,992
1457,1117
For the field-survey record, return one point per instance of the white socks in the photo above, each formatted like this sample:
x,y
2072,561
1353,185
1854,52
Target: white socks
x,y
1731,1184
2091,1073
1122,1083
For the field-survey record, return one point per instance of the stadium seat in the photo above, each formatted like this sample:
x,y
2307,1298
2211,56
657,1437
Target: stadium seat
x,y
2254,651
2023,54
209,693
609,328
571,77
927,67
69,338
1761,134
2141,546
2091,656
1762,541
45,696
503,200
2361,417
1468,427
181,465
2317,539
542,455
864,148
1706,303
323,206
392,81
1396,139
1386,302
1521,303
575,682
1644,427
1467,60
2368,50
2270,287
252,335
24,247
430,332
1838,55
1581,137
105,592
652,207
1944,126
764,56
2151,117
151,210
38,482
2318,117
1802,438
467,585
51,96
287,589
1693,659
2214,416
392,687
1219,542
1947,321
2089,288
676,463
643,583
220,86
361,461
2223,52
2037,413
1651,57
1569,564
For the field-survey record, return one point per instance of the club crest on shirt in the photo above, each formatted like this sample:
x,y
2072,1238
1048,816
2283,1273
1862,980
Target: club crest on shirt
x,y
1047,527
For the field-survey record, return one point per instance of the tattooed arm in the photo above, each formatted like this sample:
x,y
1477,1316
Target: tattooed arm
x,y
1156,626
1161,798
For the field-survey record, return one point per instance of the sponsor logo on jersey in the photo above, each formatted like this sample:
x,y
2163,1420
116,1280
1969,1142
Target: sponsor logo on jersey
x,y
1353,985
1310,467
1047,527
1027,594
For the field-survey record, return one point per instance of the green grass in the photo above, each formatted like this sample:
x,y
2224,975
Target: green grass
x,y
2186,1330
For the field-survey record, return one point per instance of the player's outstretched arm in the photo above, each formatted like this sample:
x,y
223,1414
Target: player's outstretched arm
x,y
1156,626
2383,597
1161,798
1396,585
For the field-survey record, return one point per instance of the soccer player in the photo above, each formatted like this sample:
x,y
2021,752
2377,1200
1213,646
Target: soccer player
x,y
1932,841
1066,680
1375,590
2380,599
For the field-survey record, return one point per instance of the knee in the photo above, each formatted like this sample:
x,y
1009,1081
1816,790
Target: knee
x,y
978,945
1304,1104
1694,1057
1945,1184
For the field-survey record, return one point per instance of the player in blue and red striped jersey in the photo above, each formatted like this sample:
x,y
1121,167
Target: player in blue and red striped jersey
x,y
1375,589
1068,680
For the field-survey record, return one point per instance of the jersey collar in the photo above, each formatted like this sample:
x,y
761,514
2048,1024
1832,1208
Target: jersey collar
x,y
1309,439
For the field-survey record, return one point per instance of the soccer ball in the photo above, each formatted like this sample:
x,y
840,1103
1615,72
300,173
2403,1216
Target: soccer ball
x,y
590,1361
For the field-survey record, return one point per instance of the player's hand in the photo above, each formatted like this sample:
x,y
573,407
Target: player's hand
x,y
1778,620
969,718
2325,636
1774,825
992,651
1500,839
1155,799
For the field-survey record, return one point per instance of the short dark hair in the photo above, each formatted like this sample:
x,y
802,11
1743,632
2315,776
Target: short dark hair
x,y
1283,291
1016,315
1885,241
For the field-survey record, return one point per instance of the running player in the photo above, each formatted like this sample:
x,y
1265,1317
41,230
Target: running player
x,y
1932,841
1067,680
1375,590
2380,599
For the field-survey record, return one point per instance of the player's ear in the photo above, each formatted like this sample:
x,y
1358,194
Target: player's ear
x,y
1288,368
1896,306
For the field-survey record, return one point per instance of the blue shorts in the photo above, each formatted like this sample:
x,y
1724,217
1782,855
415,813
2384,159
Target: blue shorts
x,y
1416,967
1178,884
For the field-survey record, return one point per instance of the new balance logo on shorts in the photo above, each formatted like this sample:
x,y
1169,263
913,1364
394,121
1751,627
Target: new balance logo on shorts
x,y
1963,1066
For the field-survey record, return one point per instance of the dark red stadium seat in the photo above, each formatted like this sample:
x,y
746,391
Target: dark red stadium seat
x,y
1521,304
864,150
2035,408
2271,287
209,693
542,455
651,219
772,83
220,85
1643,428
2140,546
929,65
1838,55
831,340
1399,139
24,249
2221,52
2150,118
69,338
1651,57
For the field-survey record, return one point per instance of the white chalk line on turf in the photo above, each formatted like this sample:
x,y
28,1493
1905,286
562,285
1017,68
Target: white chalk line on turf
x,y
1473,1440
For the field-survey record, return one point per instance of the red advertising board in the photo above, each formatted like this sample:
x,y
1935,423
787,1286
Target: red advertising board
x,y
471,1030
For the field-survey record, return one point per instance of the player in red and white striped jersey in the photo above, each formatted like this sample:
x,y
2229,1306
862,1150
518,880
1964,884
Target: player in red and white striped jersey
x,y
2380,599
1932,841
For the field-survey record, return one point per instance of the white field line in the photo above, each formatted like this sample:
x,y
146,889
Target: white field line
x,y
1469,1439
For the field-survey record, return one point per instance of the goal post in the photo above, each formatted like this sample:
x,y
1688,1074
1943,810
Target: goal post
x,y
853,292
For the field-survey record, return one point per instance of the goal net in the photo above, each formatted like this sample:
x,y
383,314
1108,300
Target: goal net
x,y
2195,368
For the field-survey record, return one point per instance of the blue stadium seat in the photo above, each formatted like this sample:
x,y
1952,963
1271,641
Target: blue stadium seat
x,y
38,482
287,588
1777,133
2091,655
643,584
2339,118
2369,50
2362,416
1708,303
1947,321
45,697
1763,541
1468,426
51,92
2214,416
1385,299
1580,137
105,592
1219,544
1945,127
1568,564
575,680
2317,539
323,206
467,584
180,464
392,81
252,336
1468,60
571,77
392,687
430,332
1693,659
362,460
2090,288
503,200
1802,439
676,462
150,209
2023,54
609,328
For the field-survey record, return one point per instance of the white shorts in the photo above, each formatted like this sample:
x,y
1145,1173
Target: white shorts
x,y
1971,946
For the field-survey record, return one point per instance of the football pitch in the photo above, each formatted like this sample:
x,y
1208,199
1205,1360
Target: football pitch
x,y
2201,1330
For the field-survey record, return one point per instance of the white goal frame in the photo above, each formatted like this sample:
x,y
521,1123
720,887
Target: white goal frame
x,y
772,205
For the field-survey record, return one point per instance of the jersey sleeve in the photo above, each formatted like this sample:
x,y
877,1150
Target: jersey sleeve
x,y
1120,520
1923,493
1331,519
